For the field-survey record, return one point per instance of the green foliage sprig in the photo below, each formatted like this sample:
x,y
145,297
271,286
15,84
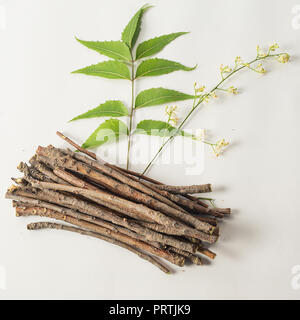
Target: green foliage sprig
x,y
128,63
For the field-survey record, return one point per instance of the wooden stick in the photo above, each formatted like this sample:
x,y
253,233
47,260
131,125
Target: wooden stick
x,y
113,234
128,172
51,225
194,258
123,189
200,188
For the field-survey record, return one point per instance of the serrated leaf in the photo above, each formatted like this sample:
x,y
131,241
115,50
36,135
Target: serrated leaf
x,y
113,49
155,45
159,128
108,69
157,67
157,96
133,28
109,131
110,108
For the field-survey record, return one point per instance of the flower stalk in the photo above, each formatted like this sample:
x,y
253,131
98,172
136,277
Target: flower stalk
x,y
226,73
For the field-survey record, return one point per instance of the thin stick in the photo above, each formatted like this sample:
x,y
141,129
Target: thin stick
x,y
75,145
123,189
113,234
194,258
128,172
51,225
200,188
137,230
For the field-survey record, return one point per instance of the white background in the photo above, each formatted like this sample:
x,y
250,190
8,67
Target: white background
x,y
258,176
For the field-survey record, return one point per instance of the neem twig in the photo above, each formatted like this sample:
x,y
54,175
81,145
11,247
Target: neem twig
x,y
51,225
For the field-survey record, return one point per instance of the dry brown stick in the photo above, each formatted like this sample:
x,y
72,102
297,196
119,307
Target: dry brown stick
x,y
124,226
78,204
166,196
125,171
194,258
191,205
90,215
63,174
200,188
116,235
93,156
211,220
71,164
75,181
140,208
160,228
45,170
24,168
24,210
76,146
206,252
121,176
50,225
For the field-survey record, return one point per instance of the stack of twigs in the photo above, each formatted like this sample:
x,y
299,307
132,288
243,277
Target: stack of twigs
x,y
101,200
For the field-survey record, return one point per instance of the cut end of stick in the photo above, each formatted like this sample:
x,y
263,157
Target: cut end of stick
x,y
224,210
12,188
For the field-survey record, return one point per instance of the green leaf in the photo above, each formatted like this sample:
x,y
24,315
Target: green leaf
x,y
159,128
133,28
157,96
155,45
157,67
108,69
110,108
113,49
109,131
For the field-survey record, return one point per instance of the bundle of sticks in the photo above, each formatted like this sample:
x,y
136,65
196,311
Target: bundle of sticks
x,y
98,199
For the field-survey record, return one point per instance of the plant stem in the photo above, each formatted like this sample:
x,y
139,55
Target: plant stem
x,y
201,99
131,113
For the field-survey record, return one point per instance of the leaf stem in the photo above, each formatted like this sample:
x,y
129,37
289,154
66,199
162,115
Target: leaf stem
x,y
131,114
201,99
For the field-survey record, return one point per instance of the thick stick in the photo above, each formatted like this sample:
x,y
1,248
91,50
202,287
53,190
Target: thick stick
x,y
113,234
83,206
200,188
41,167
22,209
206,252
194,258
125,171
106,197
91,213
71,164
121,176
172,199
117,224
24,168
50,225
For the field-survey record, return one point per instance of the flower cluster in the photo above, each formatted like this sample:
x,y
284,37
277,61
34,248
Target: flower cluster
x,y
219,146
208,96
259,68
283,58
199,89
260,52
224,69
172,116
232,90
